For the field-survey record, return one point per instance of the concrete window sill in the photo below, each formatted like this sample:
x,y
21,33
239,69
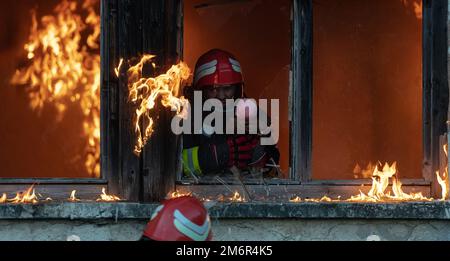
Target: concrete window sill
x,y
126,211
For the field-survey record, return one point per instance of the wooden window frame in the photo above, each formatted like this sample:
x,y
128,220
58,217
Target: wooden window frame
x,y
435,94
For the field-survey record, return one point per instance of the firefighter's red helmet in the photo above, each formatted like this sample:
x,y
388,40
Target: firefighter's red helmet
x,y
216,68
179,219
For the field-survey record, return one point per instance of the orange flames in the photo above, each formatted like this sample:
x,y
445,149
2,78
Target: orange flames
x,y
117,70
29,196
72,197
3,198
379,191
179,194
415,5
22,197
64,68
295,199
237,197
107,198
364,173
380,183
145,91
444,182
322,199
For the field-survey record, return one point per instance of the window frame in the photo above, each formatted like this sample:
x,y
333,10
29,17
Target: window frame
x,y
435,94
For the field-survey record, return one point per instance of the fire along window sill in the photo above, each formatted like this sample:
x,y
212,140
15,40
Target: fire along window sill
x,y
308,210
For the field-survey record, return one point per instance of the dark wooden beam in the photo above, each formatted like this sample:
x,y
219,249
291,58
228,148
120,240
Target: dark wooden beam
x,y
435,85
161,155
109,109
426,88
132,28
302,75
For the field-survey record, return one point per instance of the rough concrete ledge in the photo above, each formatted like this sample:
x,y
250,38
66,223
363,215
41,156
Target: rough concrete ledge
x,y
309,210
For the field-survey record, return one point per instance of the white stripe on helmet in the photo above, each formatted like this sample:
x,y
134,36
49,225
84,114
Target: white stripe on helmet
x,y
236,65
236,68
205,69
204,73
190,229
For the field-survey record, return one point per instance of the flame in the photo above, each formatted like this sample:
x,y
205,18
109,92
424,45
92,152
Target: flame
x,y
117,70
322,199
145,91
3,198
443,182
416,6
237,197
29,196
178,194
64,68
295,199
72,197
380,182
364,173
106,197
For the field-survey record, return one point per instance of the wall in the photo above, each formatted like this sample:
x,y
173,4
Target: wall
x,y
230,230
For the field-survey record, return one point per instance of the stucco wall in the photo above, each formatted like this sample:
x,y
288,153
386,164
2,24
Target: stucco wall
x,y
255,230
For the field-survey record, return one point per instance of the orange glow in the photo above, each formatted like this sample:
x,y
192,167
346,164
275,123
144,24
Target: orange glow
x,y
144,92
373,39
107,198
65,69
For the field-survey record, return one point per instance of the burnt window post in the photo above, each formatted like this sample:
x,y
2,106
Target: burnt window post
x,y
129,30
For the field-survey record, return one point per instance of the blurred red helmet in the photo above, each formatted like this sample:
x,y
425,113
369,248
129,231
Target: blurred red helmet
x,y
215,68
179,219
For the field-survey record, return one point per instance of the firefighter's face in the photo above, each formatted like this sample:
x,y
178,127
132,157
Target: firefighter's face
x,y
221,92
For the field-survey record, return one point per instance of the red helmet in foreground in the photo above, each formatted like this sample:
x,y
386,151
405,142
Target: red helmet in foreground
x,y
179,219
216,68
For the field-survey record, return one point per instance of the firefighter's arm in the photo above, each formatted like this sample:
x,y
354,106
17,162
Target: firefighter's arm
x,y
212,157
204,159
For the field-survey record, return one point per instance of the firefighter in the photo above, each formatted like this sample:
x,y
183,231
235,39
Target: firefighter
x,y
179,219
218,75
